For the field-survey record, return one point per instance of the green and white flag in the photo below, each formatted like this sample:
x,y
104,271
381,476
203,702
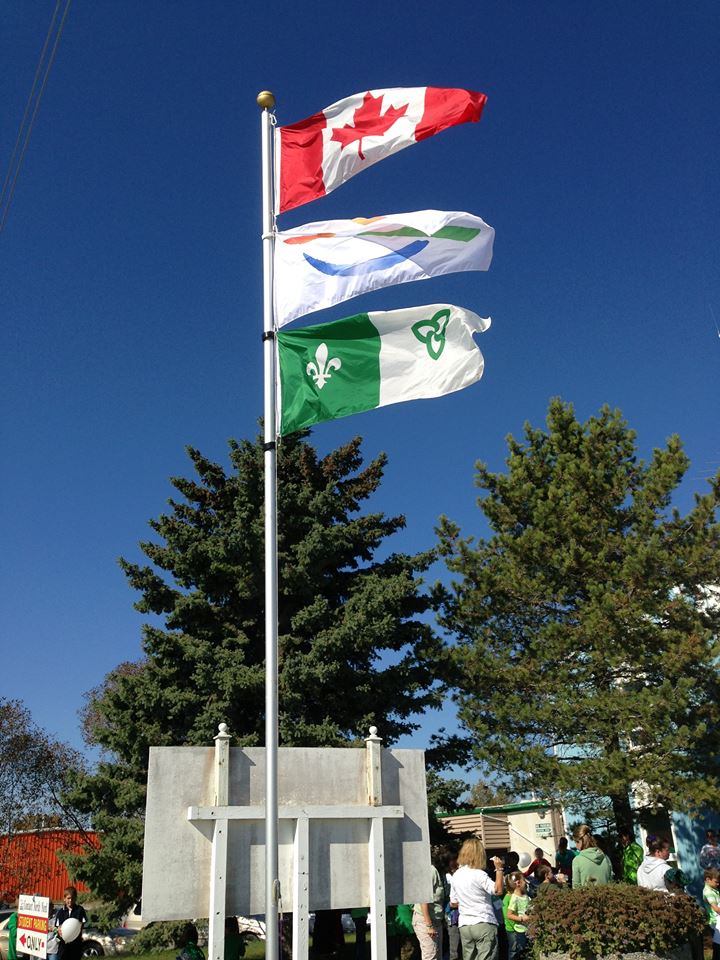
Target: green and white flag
x,y
331,370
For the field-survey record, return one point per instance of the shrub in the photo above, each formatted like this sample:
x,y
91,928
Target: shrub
x,y
615,918
104,916
158,936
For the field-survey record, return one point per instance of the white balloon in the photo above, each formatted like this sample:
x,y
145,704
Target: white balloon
x,y
70,929
524,861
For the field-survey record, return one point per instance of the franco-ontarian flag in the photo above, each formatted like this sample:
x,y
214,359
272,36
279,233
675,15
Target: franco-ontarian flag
x,y
317,154
331,370
329,261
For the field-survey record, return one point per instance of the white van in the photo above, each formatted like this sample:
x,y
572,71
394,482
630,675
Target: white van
x,y
133,918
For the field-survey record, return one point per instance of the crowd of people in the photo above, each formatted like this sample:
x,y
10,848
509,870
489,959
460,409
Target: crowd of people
x,y
481,910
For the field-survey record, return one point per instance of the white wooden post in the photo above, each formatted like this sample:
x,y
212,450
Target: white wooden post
x,y
301,888
218,864
376,849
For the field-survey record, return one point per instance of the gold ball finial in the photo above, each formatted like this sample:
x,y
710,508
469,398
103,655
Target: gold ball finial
x,y
266,100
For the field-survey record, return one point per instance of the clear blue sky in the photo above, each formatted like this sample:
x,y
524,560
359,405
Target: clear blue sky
x,y
130,284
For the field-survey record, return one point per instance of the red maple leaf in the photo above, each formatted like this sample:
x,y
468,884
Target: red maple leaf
x,y
368,122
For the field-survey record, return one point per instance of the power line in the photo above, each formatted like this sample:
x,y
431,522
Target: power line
x,y
29,101
33,101
712,314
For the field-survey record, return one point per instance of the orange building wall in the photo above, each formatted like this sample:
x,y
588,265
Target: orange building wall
x,y
29,863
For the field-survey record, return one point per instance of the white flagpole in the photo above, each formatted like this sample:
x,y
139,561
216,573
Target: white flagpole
x,y
266,101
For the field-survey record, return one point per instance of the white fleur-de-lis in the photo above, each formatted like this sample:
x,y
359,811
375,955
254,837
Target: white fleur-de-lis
x,y
321,368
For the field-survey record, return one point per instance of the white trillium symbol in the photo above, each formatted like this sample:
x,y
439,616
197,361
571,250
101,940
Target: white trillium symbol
x,y
321,368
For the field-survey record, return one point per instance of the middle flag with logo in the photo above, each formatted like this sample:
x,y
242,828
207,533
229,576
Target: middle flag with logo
x,y
332,370
323,263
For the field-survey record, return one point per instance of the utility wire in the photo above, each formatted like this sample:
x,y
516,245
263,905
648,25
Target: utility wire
x,y
27,105
712,314
25,129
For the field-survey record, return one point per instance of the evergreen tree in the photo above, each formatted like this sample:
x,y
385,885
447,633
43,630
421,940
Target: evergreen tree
x,y
353,647
489,795
588,622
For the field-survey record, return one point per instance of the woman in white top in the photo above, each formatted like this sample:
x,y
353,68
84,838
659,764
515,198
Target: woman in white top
x,y
651,872
472,891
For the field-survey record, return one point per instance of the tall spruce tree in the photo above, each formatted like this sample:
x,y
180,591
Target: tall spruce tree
x,y
587,622
353,646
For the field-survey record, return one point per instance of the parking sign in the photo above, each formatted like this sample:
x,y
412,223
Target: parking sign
x,y
32,926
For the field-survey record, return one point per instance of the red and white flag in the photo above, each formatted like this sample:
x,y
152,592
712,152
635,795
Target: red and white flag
x,y
315,156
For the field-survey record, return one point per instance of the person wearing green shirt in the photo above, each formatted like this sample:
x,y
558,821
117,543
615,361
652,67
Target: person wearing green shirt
x,y
632,856
234,941
591,865
12,937
188,941
711,900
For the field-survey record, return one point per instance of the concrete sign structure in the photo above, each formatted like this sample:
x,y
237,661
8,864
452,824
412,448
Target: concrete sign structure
x,y
32,925
353,833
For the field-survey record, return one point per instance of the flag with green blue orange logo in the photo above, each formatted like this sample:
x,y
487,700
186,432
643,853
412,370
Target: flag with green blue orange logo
x,y
327,262
335,369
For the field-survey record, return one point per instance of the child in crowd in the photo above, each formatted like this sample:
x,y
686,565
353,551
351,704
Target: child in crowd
x,y
234,941
710,853
538,861
515,907
70,909
547,881
188,941
711,899
452,914
564,858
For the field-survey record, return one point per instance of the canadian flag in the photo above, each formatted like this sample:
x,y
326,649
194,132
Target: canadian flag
x,y
316,155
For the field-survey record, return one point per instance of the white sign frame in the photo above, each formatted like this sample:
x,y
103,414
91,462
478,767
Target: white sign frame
x,y
353,832
33,915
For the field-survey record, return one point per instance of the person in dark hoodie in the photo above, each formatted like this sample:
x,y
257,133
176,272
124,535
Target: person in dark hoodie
x,y
591,865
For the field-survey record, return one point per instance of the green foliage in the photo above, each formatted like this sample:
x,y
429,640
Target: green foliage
x,y
154,953
443,796
158,936
255,950
353,646
614,918
115,795
103,916
489,795
34,770
587,646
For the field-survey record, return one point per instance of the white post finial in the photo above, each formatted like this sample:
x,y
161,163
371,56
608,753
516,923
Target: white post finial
x,y
373,746
223,732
